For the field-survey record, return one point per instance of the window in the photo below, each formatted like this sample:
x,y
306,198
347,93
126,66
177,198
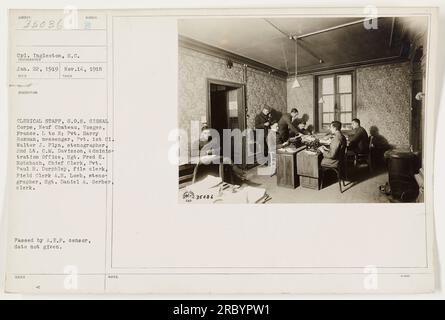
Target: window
x,y
335,100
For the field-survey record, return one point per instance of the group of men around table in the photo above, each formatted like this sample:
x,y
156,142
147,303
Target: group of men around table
x,y
288,128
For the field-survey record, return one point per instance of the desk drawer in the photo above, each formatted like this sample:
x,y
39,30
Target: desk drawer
x,y
308,164
309,182
286,170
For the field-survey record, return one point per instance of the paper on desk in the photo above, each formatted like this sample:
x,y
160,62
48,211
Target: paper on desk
x,y
254,194
233,197
209,158
325,141
206,184
310,152
288,149
245,195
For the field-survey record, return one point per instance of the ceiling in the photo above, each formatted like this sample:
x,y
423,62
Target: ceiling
x,y
267,40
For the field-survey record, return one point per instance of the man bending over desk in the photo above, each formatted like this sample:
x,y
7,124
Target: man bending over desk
x,y
285,125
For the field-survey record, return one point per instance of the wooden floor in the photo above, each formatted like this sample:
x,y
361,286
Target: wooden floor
x,y
363,188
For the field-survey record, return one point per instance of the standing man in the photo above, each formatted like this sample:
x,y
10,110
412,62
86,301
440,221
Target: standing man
x,y
359,141
262,119
262,122
275,138
285,125
296,121
333,155
274,142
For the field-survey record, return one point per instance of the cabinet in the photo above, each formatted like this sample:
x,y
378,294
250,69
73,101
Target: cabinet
x,y
287,168
308,169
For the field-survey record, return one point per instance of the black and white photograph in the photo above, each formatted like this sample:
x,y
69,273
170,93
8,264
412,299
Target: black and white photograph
x,y
316,128
302,109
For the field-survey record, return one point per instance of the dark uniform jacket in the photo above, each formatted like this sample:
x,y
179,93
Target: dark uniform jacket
x,y
359,141
285,126
332,157
275,115
260,120
295,123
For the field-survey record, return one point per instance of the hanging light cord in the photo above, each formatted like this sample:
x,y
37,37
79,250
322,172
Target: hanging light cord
x,y
296,56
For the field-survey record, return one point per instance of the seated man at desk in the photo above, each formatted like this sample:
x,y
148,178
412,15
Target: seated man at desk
x,y
205,139
331,155
358,141
301,127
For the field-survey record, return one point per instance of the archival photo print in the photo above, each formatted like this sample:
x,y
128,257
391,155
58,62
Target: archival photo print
x,y
302,109
314,129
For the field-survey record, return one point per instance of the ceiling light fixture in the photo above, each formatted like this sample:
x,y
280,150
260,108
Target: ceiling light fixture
x,y
296,84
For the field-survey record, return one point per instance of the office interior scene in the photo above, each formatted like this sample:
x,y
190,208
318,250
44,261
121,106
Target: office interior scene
x,y
340,100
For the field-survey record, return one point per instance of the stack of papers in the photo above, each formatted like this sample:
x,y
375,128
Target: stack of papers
x,y
211,186
205,185
254,195
310,152
291,148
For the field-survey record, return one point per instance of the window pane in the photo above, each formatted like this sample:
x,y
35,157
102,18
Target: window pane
x,y
346,117
327,85
344,83
346,102
328,104
326,118
335,100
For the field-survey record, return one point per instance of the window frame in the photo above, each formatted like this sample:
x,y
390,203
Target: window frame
x,y
318,114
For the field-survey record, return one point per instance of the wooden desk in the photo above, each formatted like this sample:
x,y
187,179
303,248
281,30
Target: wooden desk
x,y
308,166
287,168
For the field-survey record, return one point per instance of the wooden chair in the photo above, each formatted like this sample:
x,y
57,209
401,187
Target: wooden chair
x,y
365,157
339,169
356,158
